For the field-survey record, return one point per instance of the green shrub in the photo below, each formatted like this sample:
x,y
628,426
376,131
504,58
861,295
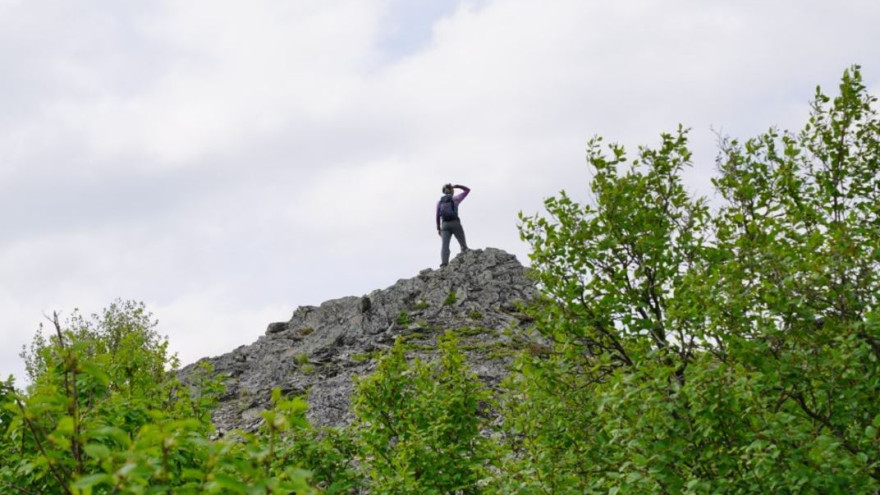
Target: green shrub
x,y
362,357
403,319
418,424
105,413
697,351
451,298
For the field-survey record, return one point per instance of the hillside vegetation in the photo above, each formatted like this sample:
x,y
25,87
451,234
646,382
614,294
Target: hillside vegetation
x,y
680,347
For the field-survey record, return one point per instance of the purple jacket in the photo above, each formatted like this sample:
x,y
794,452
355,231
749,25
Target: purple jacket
x,y
455,199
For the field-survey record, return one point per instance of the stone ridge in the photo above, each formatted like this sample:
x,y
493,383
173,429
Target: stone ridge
x,y
320,349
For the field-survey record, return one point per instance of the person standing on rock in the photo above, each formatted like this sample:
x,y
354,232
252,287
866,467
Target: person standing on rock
x,y
448,221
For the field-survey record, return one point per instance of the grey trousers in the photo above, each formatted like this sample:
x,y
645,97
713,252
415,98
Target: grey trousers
x,y
447,230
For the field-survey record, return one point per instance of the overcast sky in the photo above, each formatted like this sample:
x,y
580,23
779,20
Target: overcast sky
x,y
227,161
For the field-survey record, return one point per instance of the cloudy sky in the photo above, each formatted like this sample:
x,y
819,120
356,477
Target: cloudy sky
x,y
225,162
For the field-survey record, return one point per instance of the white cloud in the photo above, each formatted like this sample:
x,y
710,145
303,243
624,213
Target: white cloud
x,y
210,76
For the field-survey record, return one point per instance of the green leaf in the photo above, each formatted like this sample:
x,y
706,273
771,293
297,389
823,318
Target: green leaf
x,y
95,371
97,450
65,425
92,480
109,432
229,483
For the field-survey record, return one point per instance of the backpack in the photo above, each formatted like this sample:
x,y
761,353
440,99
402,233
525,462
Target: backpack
x,y
448,209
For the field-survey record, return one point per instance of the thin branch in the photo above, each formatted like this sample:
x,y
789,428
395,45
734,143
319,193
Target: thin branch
x,y
871,341
602,330
71,390
18,489
33,430
826,422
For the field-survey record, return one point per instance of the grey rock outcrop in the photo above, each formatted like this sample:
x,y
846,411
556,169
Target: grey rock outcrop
x,y
321,348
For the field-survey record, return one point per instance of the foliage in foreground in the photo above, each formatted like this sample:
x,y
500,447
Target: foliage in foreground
x,y
419,424
733,351
106,414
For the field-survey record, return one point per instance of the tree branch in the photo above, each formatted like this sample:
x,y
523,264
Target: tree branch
x,y
826,422
18,489
33,429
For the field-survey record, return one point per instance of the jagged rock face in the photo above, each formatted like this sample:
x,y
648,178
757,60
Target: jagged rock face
x,y
321,349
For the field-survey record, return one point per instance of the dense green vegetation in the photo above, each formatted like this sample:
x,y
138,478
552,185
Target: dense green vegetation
x,y
693,348
105,413
701,351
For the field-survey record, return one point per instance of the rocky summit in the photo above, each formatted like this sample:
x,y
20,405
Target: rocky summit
x,y
319,351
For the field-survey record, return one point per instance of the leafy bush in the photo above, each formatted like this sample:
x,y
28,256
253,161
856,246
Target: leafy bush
x,y
403,319
105,413
451,298
732,351
475,315
418,424
329,455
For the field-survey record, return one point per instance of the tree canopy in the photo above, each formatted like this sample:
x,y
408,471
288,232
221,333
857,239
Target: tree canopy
x,y
731,349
